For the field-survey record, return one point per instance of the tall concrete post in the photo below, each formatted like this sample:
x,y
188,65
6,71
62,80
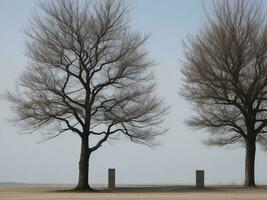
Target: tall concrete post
x,y
111,178
200,178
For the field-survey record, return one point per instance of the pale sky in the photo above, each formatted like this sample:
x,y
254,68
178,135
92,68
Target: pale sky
x,y
181,151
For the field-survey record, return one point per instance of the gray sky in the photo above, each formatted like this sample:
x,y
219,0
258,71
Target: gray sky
x,y
181,151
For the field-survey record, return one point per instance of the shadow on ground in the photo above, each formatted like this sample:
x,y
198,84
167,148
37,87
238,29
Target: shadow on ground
x,y
170,189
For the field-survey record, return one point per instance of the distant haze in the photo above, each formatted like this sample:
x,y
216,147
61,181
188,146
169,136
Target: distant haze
x,y
181,151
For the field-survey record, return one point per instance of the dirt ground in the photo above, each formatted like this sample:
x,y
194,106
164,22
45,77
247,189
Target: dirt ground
x,y
135,193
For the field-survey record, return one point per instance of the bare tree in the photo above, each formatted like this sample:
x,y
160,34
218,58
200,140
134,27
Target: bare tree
x,y
89,74
225,77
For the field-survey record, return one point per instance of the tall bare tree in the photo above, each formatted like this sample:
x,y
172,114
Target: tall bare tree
x,y
88,74
225,77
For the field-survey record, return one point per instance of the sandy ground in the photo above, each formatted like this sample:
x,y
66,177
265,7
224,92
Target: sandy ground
x,y
147,193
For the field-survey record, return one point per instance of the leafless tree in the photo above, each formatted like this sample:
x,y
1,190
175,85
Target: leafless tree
x,y
225,77
89,74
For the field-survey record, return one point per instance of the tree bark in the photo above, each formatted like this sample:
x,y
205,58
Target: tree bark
x,y
83,183
250,162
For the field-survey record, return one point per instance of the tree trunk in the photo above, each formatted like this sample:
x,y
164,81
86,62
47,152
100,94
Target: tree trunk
x,y
83,183
250,162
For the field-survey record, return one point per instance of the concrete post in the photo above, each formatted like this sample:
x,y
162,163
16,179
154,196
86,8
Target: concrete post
x,y
200,178
111,178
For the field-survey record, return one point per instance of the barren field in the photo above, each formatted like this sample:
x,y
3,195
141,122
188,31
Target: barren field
x,y
135,193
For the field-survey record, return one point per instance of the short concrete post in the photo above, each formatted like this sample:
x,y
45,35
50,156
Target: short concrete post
x,y
111,178
200,178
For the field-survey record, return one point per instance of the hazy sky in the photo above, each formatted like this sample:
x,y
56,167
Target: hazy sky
x,y
181,151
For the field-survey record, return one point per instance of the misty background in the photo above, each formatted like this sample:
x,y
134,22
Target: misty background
x,y
23,159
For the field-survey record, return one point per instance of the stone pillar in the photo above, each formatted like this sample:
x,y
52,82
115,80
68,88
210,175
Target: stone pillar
x,y
200,178
111,178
